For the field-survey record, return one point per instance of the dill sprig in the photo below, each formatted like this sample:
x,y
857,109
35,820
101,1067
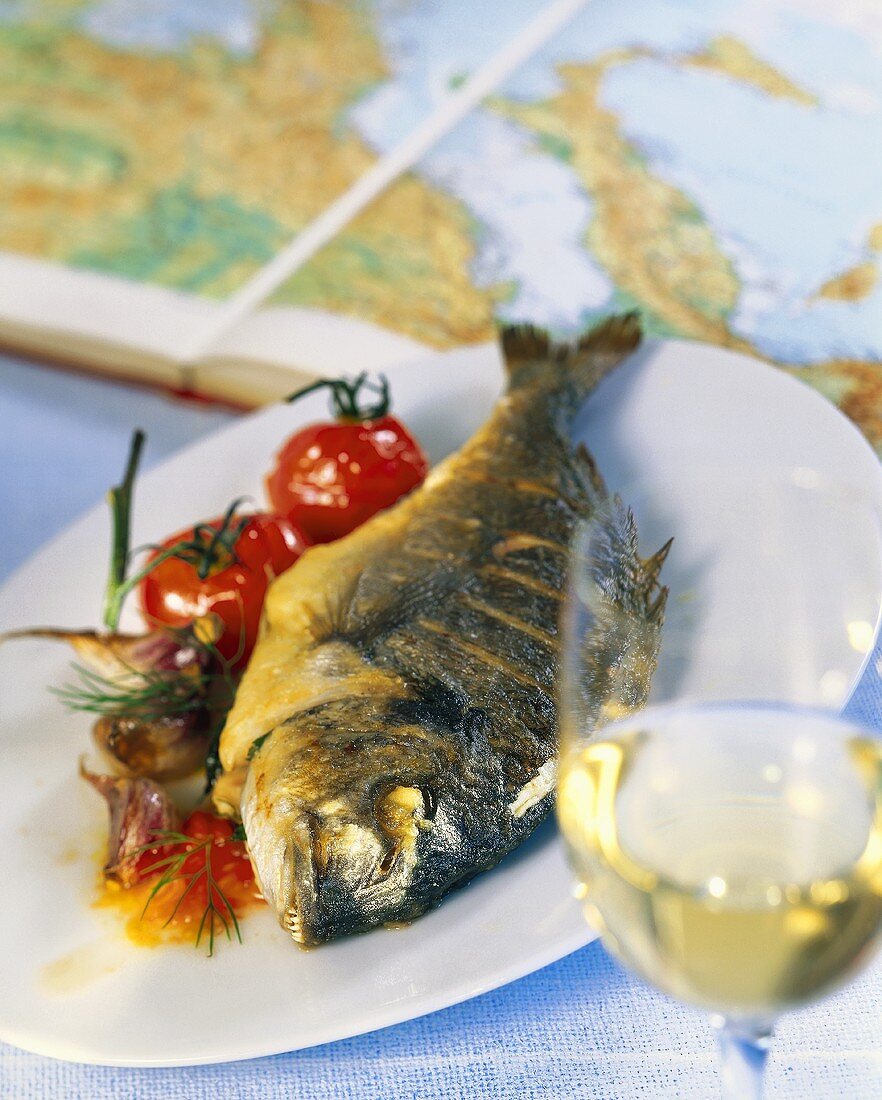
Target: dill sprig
x,y
218,913
221,696
141,694
213,766
151,694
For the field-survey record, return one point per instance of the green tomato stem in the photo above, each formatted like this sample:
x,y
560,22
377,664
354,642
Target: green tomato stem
x,y
116,599
346,396
202,551
120,500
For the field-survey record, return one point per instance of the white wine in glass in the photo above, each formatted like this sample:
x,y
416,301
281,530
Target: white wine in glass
x,y
727,848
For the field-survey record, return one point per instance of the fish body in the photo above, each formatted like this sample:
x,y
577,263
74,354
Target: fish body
x,y
395,731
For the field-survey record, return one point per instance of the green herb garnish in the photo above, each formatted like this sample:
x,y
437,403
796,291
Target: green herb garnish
x,y
255,746
218,912
144,695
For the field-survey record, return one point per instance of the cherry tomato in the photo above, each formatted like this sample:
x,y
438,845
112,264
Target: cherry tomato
x,y
224,569
330,477
202,825
271,539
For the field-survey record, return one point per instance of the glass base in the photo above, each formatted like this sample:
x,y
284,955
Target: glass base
x,y
744,1048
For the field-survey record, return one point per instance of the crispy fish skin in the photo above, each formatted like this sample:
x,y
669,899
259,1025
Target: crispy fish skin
x,y
396,726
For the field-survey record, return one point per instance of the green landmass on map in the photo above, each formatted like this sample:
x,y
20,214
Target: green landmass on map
x,y
237,154
242,150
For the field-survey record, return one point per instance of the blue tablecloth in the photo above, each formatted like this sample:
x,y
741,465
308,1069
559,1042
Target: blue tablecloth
x,y
582,1027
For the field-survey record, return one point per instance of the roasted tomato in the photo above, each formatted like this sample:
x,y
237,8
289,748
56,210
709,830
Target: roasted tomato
x,y
330,477
223,567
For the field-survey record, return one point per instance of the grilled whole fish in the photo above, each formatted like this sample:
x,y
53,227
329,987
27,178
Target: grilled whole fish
x,y
394,733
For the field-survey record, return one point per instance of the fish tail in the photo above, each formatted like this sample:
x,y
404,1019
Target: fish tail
x,y
567,371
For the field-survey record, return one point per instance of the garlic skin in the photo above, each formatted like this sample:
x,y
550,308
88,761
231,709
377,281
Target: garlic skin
x,y
161,748
140,810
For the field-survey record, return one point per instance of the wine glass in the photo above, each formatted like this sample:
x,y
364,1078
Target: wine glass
x,y
720,801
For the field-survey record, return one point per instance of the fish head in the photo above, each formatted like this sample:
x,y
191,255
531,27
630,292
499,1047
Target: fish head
x,y
336,824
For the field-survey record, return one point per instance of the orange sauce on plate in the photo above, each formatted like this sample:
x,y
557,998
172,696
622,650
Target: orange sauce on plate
x,y
209,881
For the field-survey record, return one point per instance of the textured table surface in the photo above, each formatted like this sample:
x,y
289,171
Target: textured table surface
x,y
583,1027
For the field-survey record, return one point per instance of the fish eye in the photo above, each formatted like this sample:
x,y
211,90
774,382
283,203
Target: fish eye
x,y
430,802
388,861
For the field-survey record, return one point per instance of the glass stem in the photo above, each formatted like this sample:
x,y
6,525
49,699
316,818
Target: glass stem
x,y
744,1047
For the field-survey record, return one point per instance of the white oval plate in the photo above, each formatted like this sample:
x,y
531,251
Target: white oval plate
x,y
126,1005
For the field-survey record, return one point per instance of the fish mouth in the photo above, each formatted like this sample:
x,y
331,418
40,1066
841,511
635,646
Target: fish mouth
x,y
282,844
292,922
328,870
299,914
350,882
